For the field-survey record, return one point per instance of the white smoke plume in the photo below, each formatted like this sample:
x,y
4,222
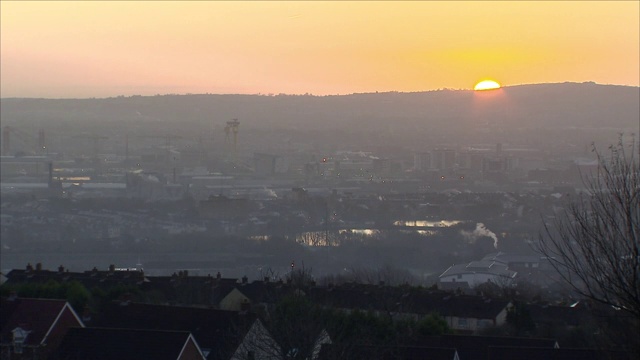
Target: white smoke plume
x,y
270,193
480,231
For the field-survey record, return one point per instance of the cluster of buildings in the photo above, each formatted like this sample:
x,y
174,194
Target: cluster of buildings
x,y
501,269
52,329
216,318
171,174
149,228
464,313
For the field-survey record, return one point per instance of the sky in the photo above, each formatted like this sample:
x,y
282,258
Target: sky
x,y
103,49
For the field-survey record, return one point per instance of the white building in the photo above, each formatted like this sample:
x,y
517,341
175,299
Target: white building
x,y
478,272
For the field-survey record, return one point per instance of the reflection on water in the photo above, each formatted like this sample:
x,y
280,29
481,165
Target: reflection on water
x,y
426,223
336,237
319,238
420,232
367,232
315,238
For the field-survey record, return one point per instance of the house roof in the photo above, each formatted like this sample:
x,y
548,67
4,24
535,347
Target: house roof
x,y
480,267
38,316
535,353
221,290
264,291
506,258
257,291
89,279
473,347
408,300
572,316
398,352
212,289
219,330
123,344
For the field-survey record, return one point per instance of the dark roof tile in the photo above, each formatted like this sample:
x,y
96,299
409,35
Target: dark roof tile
x,y
535,353
220,330
122,344
34,315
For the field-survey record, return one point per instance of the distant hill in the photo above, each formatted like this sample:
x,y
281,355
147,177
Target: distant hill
x,y
561,105
577,104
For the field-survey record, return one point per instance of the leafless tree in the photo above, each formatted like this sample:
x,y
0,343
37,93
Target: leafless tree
x,y
300,278
594,244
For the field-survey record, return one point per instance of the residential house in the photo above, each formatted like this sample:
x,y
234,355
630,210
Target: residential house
x,y
464,313
514,260
92,278
255,296
532,268
235,300
499,268
401,351
221,334
478,272
471,314
539,353
127,344
474,347
257,344
32,328
183,288
550,316
456,347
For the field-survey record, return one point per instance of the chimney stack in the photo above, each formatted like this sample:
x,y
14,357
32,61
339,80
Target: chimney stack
x,y
244,305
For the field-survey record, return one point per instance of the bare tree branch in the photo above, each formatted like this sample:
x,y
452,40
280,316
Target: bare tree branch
x,y
594,244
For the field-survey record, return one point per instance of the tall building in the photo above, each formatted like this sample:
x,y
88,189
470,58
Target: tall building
x,y
443,159
422,161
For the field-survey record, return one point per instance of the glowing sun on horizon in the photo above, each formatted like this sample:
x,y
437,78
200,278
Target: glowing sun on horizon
x,y
486,85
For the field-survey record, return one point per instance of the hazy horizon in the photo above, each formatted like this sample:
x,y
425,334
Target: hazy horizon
x,y
310,94
76,50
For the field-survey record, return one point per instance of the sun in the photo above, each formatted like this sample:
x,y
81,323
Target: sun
x,y
486,85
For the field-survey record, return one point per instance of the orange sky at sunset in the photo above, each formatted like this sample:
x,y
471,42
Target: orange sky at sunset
x,y
102,49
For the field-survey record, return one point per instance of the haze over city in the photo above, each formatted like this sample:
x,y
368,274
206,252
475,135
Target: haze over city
x,y
319,180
